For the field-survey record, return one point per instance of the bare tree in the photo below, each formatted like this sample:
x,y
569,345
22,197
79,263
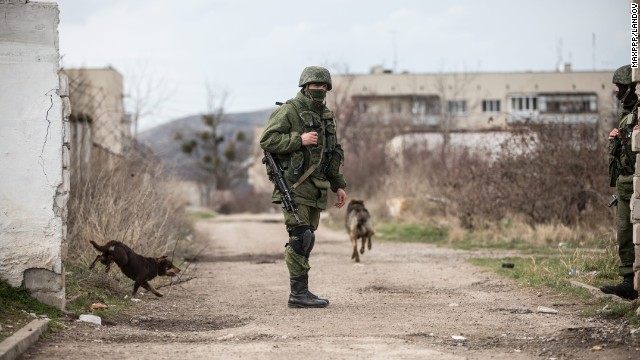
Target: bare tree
x,y
452,90
145,94
363,136
219,158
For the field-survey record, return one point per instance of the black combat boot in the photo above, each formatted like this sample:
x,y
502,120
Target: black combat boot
x,y
624,289
306,284
299,297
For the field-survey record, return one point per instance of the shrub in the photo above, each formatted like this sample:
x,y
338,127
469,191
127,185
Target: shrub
x,y
125,199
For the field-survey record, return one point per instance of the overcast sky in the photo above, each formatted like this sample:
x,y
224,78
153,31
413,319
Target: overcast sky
x,y
255,50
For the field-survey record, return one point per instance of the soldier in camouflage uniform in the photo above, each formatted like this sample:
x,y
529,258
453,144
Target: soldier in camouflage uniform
x,y
622,163
302,136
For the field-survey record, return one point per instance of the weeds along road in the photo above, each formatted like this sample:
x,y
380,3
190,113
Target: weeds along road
x,y
403,301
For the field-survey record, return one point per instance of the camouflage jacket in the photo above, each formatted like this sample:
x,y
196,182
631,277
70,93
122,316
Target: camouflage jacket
x,y
622,160
282,138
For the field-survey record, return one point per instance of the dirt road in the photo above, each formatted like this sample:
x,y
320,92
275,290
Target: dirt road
x,y
403,301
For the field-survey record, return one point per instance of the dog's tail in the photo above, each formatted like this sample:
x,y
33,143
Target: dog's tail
x,y
98,247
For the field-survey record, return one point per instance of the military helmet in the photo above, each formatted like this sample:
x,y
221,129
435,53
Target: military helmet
x,y
315,74
622,75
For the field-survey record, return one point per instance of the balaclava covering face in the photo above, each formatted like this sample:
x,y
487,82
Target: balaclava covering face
x,y
626,94
317,95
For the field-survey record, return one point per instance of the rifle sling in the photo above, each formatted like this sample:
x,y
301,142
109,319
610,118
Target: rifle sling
x,y
313,167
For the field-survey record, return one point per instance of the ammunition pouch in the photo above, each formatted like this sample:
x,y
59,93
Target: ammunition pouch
x,y
296,166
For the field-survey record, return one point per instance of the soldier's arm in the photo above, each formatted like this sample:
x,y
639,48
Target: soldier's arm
x,y
333,172
342,198
277,137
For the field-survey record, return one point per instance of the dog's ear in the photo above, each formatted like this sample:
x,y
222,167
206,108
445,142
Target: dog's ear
x,y
163,257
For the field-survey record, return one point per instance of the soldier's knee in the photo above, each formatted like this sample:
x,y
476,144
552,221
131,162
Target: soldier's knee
x,y
301,240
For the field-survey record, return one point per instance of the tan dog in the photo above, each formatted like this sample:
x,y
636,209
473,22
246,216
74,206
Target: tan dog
x,y
136,267
358,225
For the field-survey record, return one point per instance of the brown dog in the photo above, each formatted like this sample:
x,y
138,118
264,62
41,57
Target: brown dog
x,y
358,225
136,267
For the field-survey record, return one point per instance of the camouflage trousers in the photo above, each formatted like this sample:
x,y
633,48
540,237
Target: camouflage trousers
x,y
310,218
624,227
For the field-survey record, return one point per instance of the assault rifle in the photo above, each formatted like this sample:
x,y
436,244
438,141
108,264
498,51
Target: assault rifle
x,y
275,175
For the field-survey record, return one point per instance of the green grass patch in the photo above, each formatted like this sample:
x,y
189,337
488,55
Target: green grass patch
x,y
535,271
202,215
86,287
410,233
471,243
199,215
615,310
417,233
17,307
83,287
555,272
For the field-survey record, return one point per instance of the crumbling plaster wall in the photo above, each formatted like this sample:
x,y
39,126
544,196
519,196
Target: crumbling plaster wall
x,y
33,156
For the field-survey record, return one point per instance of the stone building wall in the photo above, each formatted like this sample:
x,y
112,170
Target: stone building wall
x,y
34,151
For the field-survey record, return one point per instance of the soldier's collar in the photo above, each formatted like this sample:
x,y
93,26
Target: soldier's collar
x,y
310,104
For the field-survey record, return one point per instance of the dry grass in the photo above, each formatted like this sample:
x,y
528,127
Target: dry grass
x,y
126,200
542,174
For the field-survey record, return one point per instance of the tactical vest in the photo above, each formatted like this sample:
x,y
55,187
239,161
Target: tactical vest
x,y
312,160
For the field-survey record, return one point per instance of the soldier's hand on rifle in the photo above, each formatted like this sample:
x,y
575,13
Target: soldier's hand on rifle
x,y
613,133
309,138
342,198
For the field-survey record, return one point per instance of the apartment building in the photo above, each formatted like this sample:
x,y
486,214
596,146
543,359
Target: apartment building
x,y
477,101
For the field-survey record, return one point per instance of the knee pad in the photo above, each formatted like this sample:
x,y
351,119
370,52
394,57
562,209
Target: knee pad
x,y
308,240
302,240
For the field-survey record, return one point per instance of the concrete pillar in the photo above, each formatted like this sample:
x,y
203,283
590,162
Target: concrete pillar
x,y
34,172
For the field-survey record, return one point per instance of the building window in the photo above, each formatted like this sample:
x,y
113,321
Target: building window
x,y
569,103
457,107
418,108
395,107
489,106
425,105
362,107
524,103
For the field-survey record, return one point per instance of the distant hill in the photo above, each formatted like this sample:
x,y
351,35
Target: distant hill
x,y
162,139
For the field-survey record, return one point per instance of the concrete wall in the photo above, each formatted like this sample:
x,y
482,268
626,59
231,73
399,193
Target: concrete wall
x,y
33,156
